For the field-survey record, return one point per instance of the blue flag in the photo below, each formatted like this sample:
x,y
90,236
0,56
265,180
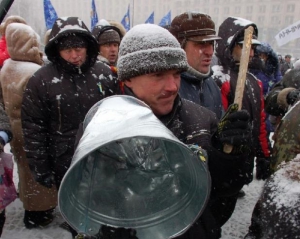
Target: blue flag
x,y
126,20
49,13
94,16
166,20
150,19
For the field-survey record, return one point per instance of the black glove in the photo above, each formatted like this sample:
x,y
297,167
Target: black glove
x,y
107,232
235,128
47,180
292,96
263,170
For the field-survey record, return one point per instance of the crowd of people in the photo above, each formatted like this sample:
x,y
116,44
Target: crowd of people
x,y
188,73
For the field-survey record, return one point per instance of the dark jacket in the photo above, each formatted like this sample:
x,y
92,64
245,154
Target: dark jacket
x,y
194,124
230,30
276,102
202,90
56,100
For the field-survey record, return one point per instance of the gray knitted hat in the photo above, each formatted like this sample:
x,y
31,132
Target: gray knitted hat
x,y
148,48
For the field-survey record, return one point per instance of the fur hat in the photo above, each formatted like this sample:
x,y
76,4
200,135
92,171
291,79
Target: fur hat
x,y
148,48
109,36
193,26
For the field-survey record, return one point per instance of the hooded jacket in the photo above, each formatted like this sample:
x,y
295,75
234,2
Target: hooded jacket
x,y
57,98
230,31
269,71
25,59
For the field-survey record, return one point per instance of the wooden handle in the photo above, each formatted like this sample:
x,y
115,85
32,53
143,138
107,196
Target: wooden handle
x,y
240,86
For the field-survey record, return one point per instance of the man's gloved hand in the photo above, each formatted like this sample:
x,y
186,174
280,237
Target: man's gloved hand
x,y
107,232
235,128
263,170
293,96
47,180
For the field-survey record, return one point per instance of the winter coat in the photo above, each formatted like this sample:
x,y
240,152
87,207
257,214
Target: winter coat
x,y
285,66
194,124
253,100
269,72
23,47
277,213
4,55
201,89
276,103
57,98
5,124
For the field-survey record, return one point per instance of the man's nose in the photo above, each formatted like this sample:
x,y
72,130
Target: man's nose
x,y
172,83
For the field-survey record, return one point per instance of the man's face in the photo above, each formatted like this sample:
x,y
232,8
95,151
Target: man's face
x,y
287,59
110,52
199,55
76,56
158,90
237,52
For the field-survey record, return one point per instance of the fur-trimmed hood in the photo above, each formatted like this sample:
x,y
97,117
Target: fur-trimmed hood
x,y
23,43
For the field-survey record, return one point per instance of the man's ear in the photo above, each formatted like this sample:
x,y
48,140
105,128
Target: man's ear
x,y
128,83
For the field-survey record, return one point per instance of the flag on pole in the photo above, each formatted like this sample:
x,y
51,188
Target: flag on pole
x,y
150,18
166,20
94,16
288,34
126,19
49,13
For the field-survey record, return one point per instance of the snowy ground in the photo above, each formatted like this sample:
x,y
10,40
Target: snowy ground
x,y
235,228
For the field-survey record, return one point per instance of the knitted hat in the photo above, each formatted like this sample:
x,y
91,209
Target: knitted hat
x,y
71,41
148,48
193,26
109,36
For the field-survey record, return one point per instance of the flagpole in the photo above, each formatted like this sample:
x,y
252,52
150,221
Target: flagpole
x,y
132,14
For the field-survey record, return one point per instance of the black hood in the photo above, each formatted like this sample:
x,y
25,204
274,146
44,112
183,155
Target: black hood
x,y
230,30
64,27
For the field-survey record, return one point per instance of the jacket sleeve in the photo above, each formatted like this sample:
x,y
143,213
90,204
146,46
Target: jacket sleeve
x,y
229,173
263,138
225,91
34,115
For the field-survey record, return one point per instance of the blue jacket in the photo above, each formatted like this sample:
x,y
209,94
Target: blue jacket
x,y
202,90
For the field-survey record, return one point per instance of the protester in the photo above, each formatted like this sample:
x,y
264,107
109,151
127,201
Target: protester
x,y
58,96
5,137
108,38
286,65
155,79
276,213
284,94
265,66
3,50
229,51
23,48
197,36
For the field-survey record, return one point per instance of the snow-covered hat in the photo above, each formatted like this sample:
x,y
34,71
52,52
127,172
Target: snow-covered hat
x,y
148,48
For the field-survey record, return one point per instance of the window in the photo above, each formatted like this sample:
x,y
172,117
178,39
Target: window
x,y
262,9
237,10
290,7
275,8
289,20
249,9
